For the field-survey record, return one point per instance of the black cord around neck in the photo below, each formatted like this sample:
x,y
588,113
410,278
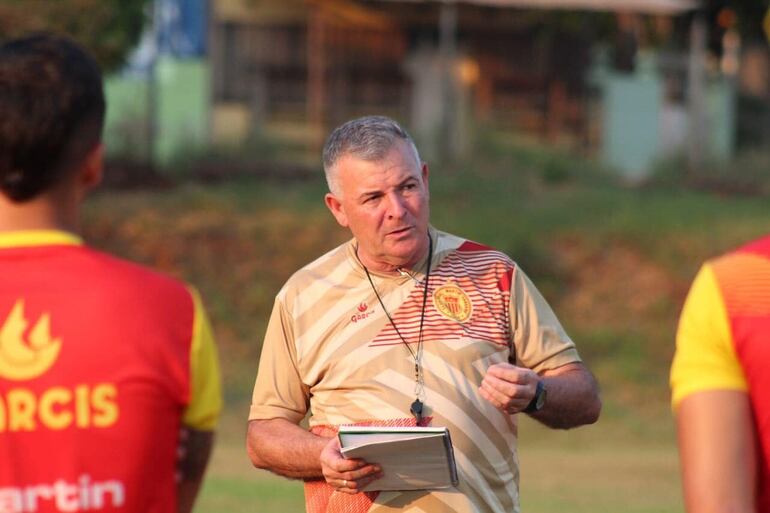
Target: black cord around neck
x,y
416,408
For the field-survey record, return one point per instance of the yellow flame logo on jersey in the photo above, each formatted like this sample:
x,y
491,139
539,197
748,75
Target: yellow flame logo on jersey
x,y
20,359
451,301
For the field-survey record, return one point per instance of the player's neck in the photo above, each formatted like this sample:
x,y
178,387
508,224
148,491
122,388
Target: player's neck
x,y
40,213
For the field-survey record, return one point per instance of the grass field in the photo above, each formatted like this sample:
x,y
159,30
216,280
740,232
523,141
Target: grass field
x,y
606,468
614,262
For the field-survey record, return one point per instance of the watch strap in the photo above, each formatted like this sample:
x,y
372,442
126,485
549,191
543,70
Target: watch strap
x,y
535,404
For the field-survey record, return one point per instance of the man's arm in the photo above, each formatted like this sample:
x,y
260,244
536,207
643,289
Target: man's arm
x,y
194,451
572,394
286,449
717,448
282,447
196,436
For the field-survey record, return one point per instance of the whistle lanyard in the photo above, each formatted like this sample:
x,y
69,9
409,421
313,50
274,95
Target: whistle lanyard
x,y
419,380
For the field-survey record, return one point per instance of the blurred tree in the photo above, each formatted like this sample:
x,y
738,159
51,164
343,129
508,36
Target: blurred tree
x,y
108,28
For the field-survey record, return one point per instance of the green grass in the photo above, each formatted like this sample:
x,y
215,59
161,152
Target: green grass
x,y
586,471
610,467
614,262
256,493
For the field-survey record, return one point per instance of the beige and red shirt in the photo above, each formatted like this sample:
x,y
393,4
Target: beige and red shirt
x,y
330,352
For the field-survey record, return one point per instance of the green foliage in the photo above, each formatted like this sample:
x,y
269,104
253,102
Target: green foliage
x,y
108,28
746,175
508,156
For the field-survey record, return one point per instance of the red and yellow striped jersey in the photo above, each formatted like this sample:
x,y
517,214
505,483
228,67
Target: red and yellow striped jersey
x,y
101,362
723,340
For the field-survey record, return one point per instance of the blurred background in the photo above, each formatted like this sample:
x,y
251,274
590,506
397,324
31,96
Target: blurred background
x,y
608,146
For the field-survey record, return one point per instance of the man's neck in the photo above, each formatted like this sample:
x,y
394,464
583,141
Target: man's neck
x,y
394,268
40,213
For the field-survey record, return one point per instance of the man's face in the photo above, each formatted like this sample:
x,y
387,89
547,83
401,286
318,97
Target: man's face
x,y
385,205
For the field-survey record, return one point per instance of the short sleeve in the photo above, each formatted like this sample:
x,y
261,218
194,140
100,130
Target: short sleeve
x,y
705,357
539,340
205,404
279,391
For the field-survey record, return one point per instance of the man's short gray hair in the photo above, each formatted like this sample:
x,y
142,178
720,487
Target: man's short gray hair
x,y
368,138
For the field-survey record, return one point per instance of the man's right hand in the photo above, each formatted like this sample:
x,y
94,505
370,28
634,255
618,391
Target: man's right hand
x,y
344,475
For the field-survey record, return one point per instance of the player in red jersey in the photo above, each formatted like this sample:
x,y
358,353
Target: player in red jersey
x,y
108,371
721,384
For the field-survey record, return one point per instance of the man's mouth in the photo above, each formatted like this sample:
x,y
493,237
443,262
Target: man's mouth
x,y
400,231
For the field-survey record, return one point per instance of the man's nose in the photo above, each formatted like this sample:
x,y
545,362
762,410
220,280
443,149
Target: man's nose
x,y
395,205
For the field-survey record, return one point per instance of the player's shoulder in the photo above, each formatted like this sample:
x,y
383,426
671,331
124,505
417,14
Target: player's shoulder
x,y
467,249
125,276
758,247
746,260
743,276
330,269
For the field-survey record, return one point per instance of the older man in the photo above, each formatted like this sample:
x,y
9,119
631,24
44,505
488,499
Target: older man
x,y
406,325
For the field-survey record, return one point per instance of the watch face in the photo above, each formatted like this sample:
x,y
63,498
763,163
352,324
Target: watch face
x,y
540,399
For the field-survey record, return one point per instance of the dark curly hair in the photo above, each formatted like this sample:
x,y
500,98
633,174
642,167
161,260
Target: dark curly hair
x,y
51,112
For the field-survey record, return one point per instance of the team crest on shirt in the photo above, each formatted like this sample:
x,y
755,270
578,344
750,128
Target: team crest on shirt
x,y
28,350
23,358
452,302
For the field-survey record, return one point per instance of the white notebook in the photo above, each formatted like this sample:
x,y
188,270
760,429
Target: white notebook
x,y
411,458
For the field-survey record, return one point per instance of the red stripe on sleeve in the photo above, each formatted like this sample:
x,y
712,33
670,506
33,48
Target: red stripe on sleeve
x,y
504,284
473,246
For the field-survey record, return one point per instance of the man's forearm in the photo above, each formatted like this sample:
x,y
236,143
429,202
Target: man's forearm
x,y
279,446
572,398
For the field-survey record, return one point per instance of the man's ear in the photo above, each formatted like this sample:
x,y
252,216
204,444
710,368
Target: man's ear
x,y
425,174
337,209
92,170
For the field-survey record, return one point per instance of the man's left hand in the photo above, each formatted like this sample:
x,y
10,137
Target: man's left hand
x,y
346,475
509,388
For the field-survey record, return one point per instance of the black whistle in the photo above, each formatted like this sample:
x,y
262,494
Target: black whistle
x,y
416,410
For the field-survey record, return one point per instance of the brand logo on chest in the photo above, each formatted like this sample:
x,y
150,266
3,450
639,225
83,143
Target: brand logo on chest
x,y
362,312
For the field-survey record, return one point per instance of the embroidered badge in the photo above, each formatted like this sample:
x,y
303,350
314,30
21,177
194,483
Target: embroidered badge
x,y
452,302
